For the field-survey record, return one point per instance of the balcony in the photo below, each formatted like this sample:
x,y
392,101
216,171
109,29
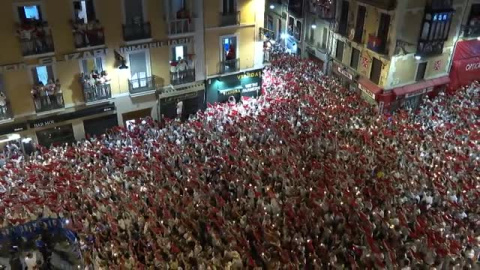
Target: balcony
x,y
227,19
88,35
47,98
471,30
376,44
294,33
180,26
229,66
146,84
35,38
382,4
97,92
136,31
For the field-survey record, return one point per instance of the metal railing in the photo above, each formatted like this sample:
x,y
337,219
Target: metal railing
x,y
37,45
97,92
228,66
44,103
87,38
232,18
180,26
136,31
136,86
181,77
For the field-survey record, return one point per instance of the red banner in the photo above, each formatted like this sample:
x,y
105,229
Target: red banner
x,y
464,72
467,49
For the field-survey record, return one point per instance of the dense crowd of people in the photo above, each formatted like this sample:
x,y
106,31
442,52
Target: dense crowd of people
x,y
308,176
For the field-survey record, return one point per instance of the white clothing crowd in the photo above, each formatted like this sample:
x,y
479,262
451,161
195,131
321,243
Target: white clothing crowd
x,y
307,176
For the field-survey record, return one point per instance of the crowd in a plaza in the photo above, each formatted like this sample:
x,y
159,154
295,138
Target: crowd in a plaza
x,y
307,176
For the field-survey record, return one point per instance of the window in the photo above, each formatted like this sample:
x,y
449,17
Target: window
x,y
178,53
84,11
435,27
279,28
139,68
29,13
91,64
355,58
376,70
342,27
43,75
229,48
324,37
360,24
339,52
422,67
134,12
269,23
383,29
473,24
229,6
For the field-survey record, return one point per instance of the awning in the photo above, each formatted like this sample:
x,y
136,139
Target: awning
x,y
370,86
424,86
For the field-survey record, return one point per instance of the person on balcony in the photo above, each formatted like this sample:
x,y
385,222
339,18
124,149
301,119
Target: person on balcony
x,y
58,92
25,33
50,93
3,104
182,67
37,95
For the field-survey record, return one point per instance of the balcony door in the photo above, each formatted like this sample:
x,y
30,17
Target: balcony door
x,y
360,24
139,69
133,12
84,11
229,48
43,75
229,6
29,13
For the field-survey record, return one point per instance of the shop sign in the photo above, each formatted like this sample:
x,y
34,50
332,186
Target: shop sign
x,y
155,44
73,115
251,87
13,67
230,92
13,128
423,91
86,54
180,97
472,66
344,72
366,91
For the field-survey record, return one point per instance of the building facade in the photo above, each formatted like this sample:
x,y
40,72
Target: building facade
x,y
466,59
75,67
395,52
319,19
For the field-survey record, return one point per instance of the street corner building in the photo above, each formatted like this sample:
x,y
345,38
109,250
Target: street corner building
x,y
392,52
73,69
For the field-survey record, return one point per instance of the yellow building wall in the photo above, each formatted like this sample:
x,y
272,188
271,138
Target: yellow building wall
x,y
245,42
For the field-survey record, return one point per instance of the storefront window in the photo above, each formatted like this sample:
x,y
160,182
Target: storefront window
x,y
56,136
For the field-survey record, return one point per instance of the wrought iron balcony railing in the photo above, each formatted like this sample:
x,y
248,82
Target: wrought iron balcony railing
x,y
228,66
180,26
227,19
136,31
140,85
97,92
181,77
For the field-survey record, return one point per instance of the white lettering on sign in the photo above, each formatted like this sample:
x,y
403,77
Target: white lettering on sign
x,y
13,67
251,87
345,73
86,54
42,124
366,91
155,44
473,66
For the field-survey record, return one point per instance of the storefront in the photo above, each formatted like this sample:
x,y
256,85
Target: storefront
x,y
69,127
466,64
182,105
369,90
244,84
346,76
10,136
130,117
411,96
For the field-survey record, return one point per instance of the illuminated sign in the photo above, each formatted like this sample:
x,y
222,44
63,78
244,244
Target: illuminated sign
x,y
366,91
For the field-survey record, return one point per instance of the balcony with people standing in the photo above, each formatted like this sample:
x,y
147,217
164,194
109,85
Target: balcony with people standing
x,y
35,37
181,22
182,71
47,97
96,86
5,108
88,34
136,30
